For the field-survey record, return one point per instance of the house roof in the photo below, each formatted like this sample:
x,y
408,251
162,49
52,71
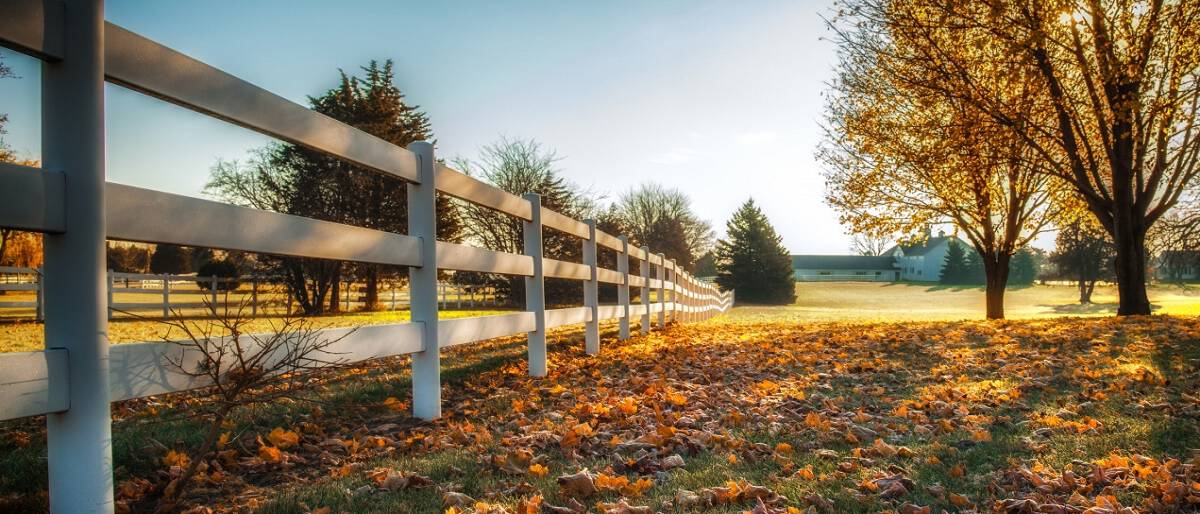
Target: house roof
x,y
832,262
921,248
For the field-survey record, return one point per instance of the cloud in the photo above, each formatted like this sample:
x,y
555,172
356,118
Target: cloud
x,y
677,155
761,137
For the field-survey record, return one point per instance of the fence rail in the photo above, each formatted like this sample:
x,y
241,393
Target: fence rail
x,y
77,377
167,288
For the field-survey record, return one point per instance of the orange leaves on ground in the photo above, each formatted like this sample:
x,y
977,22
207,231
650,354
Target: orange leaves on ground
x,y
538,470
395,405
283,439
174,458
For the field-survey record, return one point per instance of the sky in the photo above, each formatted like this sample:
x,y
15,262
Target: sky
x,y
721,99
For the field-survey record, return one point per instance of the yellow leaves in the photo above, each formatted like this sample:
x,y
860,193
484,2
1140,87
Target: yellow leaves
x,y
174,458
958,470
395,405
283,439
557,389
627,406
981,436
677,399
538,470
806,473
270,454
731,458
766,387
223,440
816,421
621,484
959,500
783,449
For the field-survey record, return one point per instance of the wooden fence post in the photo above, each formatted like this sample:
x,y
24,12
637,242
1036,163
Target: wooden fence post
x,y
662,296
535,287
644,267
253,296
423,286
591,292
623,288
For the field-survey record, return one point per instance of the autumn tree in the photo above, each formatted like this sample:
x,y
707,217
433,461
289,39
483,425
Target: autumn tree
x,y
1084,255
663,219
898,158
752,260
521,166
1111,108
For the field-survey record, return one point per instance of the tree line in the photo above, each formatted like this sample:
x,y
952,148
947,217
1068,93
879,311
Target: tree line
x,y
1011,118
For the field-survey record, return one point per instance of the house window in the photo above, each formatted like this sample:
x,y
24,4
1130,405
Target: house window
x,y
878,273
825,273
860,273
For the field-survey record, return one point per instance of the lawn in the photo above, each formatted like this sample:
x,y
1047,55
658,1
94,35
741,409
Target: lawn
x,y
744,411
868,301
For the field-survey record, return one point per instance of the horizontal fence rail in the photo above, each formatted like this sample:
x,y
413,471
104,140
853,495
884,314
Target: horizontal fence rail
x,y
76,378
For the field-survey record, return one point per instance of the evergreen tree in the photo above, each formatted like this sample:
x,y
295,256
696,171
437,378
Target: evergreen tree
x,y
169,258
1084,254
752,260
954,267
973,272
1023,268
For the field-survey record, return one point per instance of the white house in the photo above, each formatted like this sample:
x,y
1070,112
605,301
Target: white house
x,y
922,262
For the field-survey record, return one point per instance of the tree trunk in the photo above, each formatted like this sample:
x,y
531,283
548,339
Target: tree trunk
x,y
1131,270
335,298
1085,290
372,292
996,269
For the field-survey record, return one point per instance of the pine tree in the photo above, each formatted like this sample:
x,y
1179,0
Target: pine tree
x,y
954,267
752,260
974,273
168,258
1022,269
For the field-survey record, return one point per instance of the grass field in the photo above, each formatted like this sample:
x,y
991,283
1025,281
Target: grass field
x,y
778,405
867,301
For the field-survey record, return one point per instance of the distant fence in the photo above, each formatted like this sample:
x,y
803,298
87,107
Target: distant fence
x,y
79,375
846,277
167,289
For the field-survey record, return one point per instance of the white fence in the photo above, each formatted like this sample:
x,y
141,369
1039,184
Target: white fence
x,y
167,289
76,378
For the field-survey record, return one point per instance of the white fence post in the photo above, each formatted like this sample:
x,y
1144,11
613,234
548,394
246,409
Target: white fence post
x,y
108,283
662,297
644,266
166,296
423,286
39,312
214,284
623,288
535,287
591,292
79,440
671,271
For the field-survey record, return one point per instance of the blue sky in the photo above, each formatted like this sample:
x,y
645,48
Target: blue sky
x,y
721,99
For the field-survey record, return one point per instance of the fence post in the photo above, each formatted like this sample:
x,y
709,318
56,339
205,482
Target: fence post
x,y
623,288
166,296
39,313
253,297
671,271
213,293
423,286
662,297
591,292
535,287
393,296
644,266
79,440
108,280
